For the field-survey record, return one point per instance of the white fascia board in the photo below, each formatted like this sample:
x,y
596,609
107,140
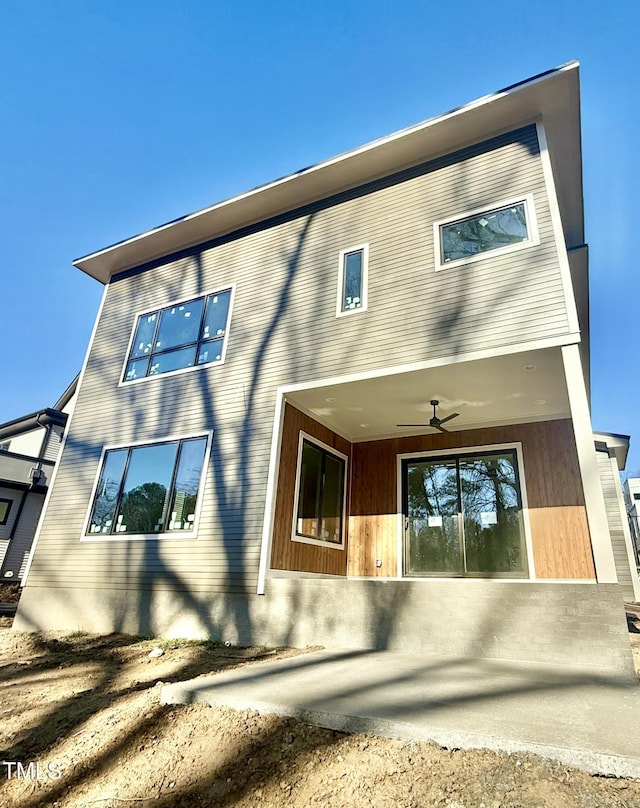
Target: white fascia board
x,y
552,96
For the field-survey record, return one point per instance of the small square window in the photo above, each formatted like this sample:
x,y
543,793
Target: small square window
x,y
4,447
189,334
352,280
5,508
506,227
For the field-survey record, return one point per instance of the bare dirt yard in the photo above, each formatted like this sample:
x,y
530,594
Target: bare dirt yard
x,y
82,716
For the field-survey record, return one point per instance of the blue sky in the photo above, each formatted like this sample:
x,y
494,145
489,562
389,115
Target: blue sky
x,y
118,116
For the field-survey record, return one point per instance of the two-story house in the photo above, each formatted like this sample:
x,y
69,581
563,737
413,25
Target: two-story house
x,y
350,408
29,449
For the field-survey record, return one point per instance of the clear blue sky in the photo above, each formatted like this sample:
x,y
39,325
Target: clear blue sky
x,y
117,116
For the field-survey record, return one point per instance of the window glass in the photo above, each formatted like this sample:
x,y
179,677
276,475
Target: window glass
x,y
463,516
143,339
172,360
352,292
179,336
309,490
149,489
187,482
179,325
5,507
216,315
491,513
108,492
145,489
485,231
210,351
320,494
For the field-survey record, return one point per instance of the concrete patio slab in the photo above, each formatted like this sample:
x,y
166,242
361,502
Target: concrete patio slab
x,y
579,718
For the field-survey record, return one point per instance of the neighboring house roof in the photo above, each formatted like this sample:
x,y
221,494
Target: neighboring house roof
x,y
66,397
618,444
45,417
33,420
552,96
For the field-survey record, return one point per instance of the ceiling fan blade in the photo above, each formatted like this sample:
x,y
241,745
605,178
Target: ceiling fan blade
x,y
449,417
442,429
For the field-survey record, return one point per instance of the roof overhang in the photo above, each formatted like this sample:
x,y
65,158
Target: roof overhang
x,y
617,446
552,97
34,420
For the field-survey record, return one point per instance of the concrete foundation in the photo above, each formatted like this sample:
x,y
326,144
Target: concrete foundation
x,y
581,625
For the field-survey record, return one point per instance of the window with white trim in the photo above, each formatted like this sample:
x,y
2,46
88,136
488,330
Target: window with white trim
x,y
352,280
320,500
149,489
191,333
508,226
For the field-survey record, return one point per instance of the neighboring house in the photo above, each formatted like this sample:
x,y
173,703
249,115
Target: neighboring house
x,y
251,455
632,504
29,449
611,451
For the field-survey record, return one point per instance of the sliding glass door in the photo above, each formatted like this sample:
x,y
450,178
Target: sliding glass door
x,y
463,516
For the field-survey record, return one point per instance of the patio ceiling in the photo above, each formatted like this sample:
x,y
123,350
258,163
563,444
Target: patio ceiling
x,y
509,389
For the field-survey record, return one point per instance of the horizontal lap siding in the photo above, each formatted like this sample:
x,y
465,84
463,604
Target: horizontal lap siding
x,y
614,518
284,330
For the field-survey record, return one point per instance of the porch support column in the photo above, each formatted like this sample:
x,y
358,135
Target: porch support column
x,y
593,497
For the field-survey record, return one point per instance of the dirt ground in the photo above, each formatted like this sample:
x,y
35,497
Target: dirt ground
x,y
82,715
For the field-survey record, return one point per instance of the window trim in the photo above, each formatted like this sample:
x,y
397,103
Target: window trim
x,y
163,536
532,226
295,536
364,248
516,447
231,287
4,521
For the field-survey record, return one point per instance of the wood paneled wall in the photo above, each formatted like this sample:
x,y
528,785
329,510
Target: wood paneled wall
x,y
293,555
559,528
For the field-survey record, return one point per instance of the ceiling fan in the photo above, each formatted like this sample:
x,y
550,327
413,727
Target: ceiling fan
x,y
436,422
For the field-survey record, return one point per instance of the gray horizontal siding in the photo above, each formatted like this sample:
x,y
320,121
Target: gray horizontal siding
x,y
284,331
614,518
17,553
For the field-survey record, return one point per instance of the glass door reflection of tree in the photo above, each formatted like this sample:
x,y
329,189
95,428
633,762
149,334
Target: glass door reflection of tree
x,y
462,516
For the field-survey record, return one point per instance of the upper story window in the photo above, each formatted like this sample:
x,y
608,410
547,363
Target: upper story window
x,y
508,226
183,335
4,446
149,489
352,280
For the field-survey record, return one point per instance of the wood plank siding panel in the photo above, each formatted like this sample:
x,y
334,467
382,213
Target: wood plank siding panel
x,y
293,555
284,331
560,533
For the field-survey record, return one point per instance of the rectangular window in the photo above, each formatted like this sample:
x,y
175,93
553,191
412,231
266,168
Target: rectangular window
x,y
352,280
320,494
5,507
4,447
509,226
149,489
463,515
184,335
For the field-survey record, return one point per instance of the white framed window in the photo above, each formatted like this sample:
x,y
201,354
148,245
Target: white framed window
x,y
464,513
146,490
320,494
353,269
489,231
182,335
